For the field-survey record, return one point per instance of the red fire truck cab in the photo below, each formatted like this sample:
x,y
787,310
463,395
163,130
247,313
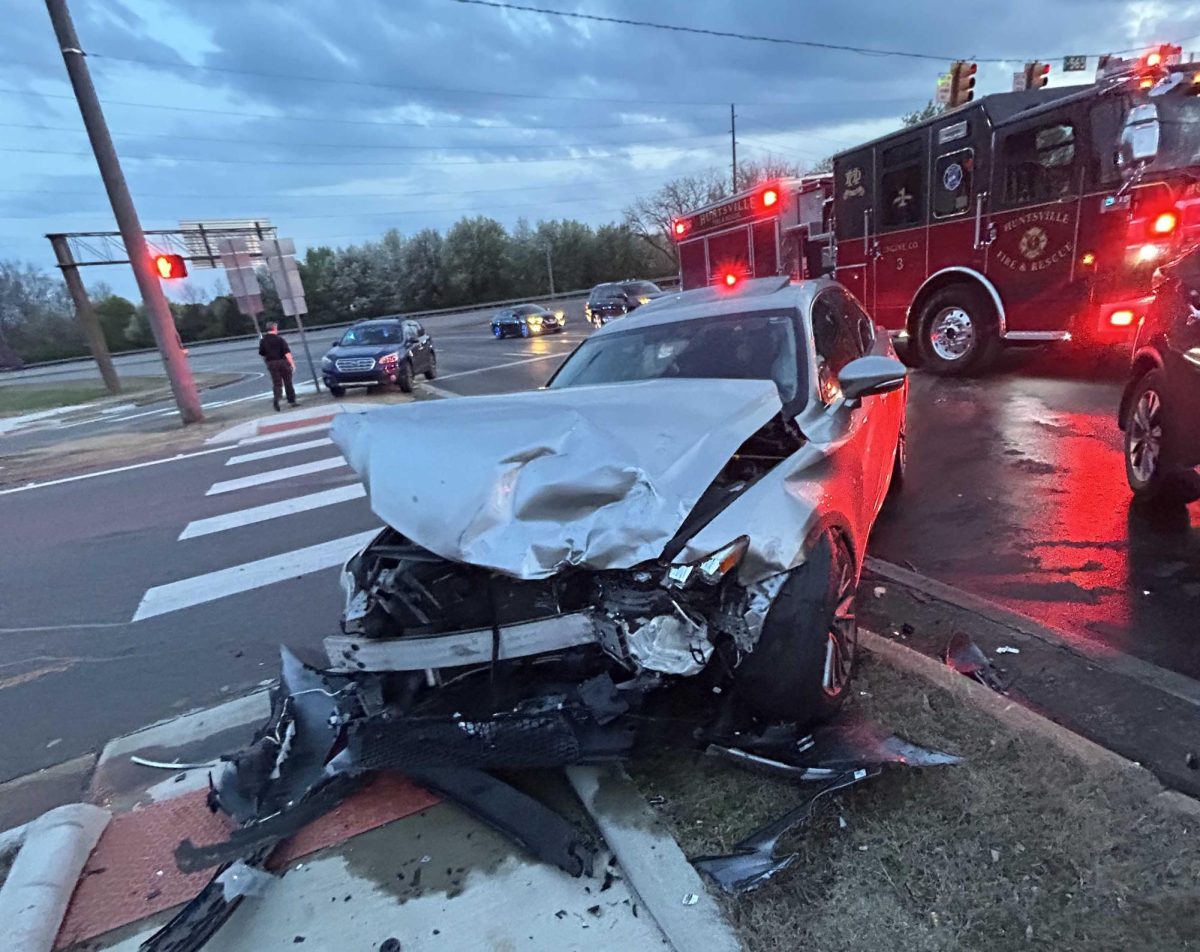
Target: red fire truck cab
x,y
1025,216
755,234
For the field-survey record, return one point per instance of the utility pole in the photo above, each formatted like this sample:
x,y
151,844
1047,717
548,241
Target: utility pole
x,y
83,310
550,269
183,386
733,144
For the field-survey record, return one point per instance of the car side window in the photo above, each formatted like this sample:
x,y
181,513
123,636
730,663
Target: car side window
x,y
837,339
420,329
864,327
410,330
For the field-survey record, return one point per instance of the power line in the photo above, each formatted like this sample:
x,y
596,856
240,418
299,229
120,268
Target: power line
x,y
759,38
458,90
360,145
340,164
335,120
624,179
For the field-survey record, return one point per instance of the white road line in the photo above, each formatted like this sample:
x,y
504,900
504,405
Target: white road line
x,y
513,363
278,451
298,431
272,510
275,475
200,589
109,472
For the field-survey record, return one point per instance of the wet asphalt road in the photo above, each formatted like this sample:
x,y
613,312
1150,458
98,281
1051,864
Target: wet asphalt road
x,y
1015,492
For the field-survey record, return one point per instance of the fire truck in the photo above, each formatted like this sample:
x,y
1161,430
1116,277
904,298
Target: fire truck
x,y
1023,217
754,234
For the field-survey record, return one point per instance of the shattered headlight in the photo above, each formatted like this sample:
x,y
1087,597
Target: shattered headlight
x,y
710,569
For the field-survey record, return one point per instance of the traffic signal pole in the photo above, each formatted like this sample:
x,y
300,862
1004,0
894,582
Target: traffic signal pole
x,y
84,312
183,386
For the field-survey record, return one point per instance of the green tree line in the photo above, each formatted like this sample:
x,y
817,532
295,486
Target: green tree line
x,y
476,260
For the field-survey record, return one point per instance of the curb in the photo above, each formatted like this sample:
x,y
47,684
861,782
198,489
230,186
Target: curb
x,y
1016,716
652,862
34,898
1161,679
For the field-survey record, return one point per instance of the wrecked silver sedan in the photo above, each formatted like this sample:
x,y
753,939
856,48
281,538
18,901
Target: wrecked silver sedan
x,y
689,497
660,548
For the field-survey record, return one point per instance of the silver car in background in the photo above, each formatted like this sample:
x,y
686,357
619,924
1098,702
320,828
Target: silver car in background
x,y
689,497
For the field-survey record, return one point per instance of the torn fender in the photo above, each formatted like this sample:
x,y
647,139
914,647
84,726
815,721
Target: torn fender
x,y
531,483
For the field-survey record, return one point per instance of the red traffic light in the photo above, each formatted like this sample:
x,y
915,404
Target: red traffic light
x,y
170,267
769,197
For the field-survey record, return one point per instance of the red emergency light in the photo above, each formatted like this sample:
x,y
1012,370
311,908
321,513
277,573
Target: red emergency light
x,y
680,227
769,197
730,279
1121,318
1164,223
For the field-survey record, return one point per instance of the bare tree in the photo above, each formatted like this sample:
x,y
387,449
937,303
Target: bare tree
x,y
750,174
650,217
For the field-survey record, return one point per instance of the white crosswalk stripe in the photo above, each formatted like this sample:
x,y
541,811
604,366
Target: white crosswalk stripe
x,y
283,434
278,451
272,510
199,589
303,494
276,475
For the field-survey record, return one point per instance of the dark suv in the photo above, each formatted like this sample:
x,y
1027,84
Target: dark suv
x,y
1160,408
390,350
617,299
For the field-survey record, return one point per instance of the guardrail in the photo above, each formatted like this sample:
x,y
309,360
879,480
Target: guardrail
x,y
665,283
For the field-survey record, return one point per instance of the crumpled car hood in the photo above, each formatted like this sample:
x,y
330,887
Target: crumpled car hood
x,y
531,483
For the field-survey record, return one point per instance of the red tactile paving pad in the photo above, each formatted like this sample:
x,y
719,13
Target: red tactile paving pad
x,y
264,428
131,873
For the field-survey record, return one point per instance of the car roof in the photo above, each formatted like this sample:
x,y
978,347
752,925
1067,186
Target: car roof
x,y
377,321
756,294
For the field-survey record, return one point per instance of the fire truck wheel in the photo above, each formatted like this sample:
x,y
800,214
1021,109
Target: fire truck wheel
x,y
957,331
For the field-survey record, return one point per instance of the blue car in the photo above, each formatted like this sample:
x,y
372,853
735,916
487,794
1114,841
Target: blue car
x,y
526,320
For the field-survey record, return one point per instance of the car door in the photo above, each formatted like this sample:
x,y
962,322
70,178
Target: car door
x,y
1183,380
845,430
413,346
426,345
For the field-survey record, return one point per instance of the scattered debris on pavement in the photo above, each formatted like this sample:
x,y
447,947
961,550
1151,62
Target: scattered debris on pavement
x,y
966,657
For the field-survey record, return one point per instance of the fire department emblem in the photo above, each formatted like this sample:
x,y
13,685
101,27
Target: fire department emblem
x,y
1033,243
854,184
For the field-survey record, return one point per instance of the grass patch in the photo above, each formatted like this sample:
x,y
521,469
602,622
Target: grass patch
x,y
17,398
1021,847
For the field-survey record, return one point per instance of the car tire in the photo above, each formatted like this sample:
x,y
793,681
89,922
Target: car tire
x,y
958,331
335,391
1147,449
800,670
431,373
404,379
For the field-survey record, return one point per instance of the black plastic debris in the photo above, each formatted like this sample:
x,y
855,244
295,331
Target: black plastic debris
x,y
839,755
966,657
755,860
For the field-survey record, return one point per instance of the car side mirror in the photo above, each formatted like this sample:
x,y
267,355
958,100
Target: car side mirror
x,y
869,376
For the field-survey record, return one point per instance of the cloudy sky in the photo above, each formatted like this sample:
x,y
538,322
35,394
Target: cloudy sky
x,y
338,120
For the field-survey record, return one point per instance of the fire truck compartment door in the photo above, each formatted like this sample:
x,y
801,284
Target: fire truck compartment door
x,y
902,218
853,207
1035,214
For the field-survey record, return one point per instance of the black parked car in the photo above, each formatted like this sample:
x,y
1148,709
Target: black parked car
x,y
526,320
617,299
1160,408
390,350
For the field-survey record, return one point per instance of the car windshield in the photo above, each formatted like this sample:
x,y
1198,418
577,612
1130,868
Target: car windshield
x,y
373,334
606,291
527,309
758,346
642,287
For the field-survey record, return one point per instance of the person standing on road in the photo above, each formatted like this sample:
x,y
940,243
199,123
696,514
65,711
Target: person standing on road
x,y
280,363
